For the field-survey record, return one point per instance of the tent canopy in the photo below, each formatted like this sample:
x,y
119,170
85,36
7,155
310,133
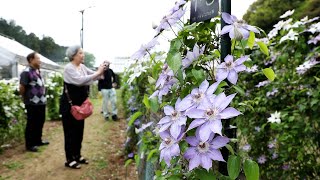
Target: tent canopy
x,y
12,52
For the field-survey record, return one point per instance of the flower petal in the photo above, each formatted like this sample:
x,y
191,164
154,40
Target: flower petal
x,y
185,103
196,123
175,130
204,86
175,150
216,126
232,77
229,19
216,155
221,74
192,140
226,101
164,120
205,132
241,60
168,110
206,162
190,153
164,127
226,29
195,113
229,112
219,142
194,162
212,88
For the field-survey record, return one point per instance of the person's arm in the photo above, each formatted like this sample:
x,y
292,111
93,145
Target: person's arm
x,y
24,80
72,76
22,90
114,82
89,71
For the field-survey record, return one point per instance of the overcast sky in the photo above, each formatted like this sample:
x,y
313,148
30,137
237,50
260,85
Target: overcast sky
x,y
111,28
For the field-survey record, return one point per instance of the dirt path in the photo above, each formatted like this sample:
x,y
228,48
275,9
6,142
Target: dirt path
x,y
102,145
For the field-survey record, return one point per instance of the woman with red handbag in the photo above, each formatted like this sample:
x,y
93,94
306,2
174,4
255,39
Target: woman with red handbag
x,y
77,78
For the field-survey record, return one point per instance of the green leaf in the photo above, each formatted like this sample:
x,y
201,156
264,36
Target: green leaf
x,y
151,80
230,149
154,105
198,74
146,101
251,39
251,170
190,27
268,72
134,117
234,163
174,60
175,45
239,90
204,174
151,153
128,162
263,48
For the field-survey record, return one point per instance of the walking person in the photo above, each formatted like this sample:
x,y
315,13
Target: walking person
x,y
33,93
77,78
107,87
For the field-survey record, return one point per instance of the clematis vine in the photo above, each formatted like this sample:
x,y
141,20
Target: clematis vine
x,y
164,83
144,49
170,19
174,119
237,29
192,55
169,147
229,69
198,95
202,153
208,115
275,118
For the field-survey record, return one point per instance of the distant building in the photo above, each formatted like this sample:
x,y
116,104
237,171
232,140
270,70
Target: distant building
x,y
118,64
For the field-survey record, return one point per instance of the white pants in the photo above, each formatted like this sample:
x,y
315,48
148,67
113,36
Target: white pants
x,y
109,96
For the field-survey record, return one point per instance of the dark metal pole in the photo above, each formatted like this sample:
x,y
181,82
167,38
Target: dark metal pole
x,y
225,50
81,31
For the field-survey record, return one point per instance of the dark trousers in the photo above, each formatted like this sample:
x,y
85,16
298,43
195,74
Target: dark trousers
x,y
73,135
36,115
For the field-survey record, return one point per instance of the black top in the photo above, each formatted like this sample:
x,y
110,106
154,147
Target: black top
x,y
109,78
77,94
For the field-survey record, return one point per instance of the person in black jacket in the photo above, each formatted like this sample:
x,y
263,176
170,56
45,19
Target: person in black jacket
x,y
107,87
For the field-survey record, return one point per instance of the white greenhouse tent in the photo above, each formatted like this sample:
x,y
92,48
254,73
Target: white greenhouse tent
x,y
13,59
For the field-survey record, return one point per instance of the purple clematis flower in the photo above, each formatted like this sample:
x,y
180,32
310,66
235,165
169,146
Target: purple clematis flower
x,y
165,82
209,114
144,49
229,69
169,147
170,20
174,119
198,95
237,29
204,152
192,55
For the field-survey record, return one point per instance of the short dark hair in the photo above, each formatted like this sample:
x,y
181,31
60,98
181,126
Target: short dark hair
x,y
31,56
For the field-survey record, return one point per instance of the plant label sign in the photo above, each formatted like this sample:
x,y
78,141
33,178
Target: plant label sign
x,y
202,10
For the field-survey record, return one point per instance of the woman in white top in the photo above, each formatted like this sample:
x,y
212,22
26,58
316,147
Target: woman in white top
x,y
77,78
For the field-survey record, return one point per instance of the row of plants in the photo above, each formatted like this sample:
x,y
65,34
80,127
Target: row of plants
x,y
12,111
182,103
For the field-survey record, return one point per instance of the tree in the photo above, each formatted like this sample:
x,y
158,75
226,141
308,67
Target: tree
x,y
89,60
266,13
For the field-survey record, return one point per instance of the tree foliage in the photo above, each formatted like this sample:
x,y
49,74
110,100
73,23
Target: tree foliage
x,y
266,13
45,46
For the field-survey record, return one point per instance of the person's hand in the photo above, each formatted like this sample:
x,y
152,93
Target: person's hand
x,y
101,68
114,85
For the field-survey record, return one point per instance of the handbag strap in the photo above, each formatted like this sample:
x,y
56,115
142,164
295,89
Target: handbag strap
x,y
66,91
